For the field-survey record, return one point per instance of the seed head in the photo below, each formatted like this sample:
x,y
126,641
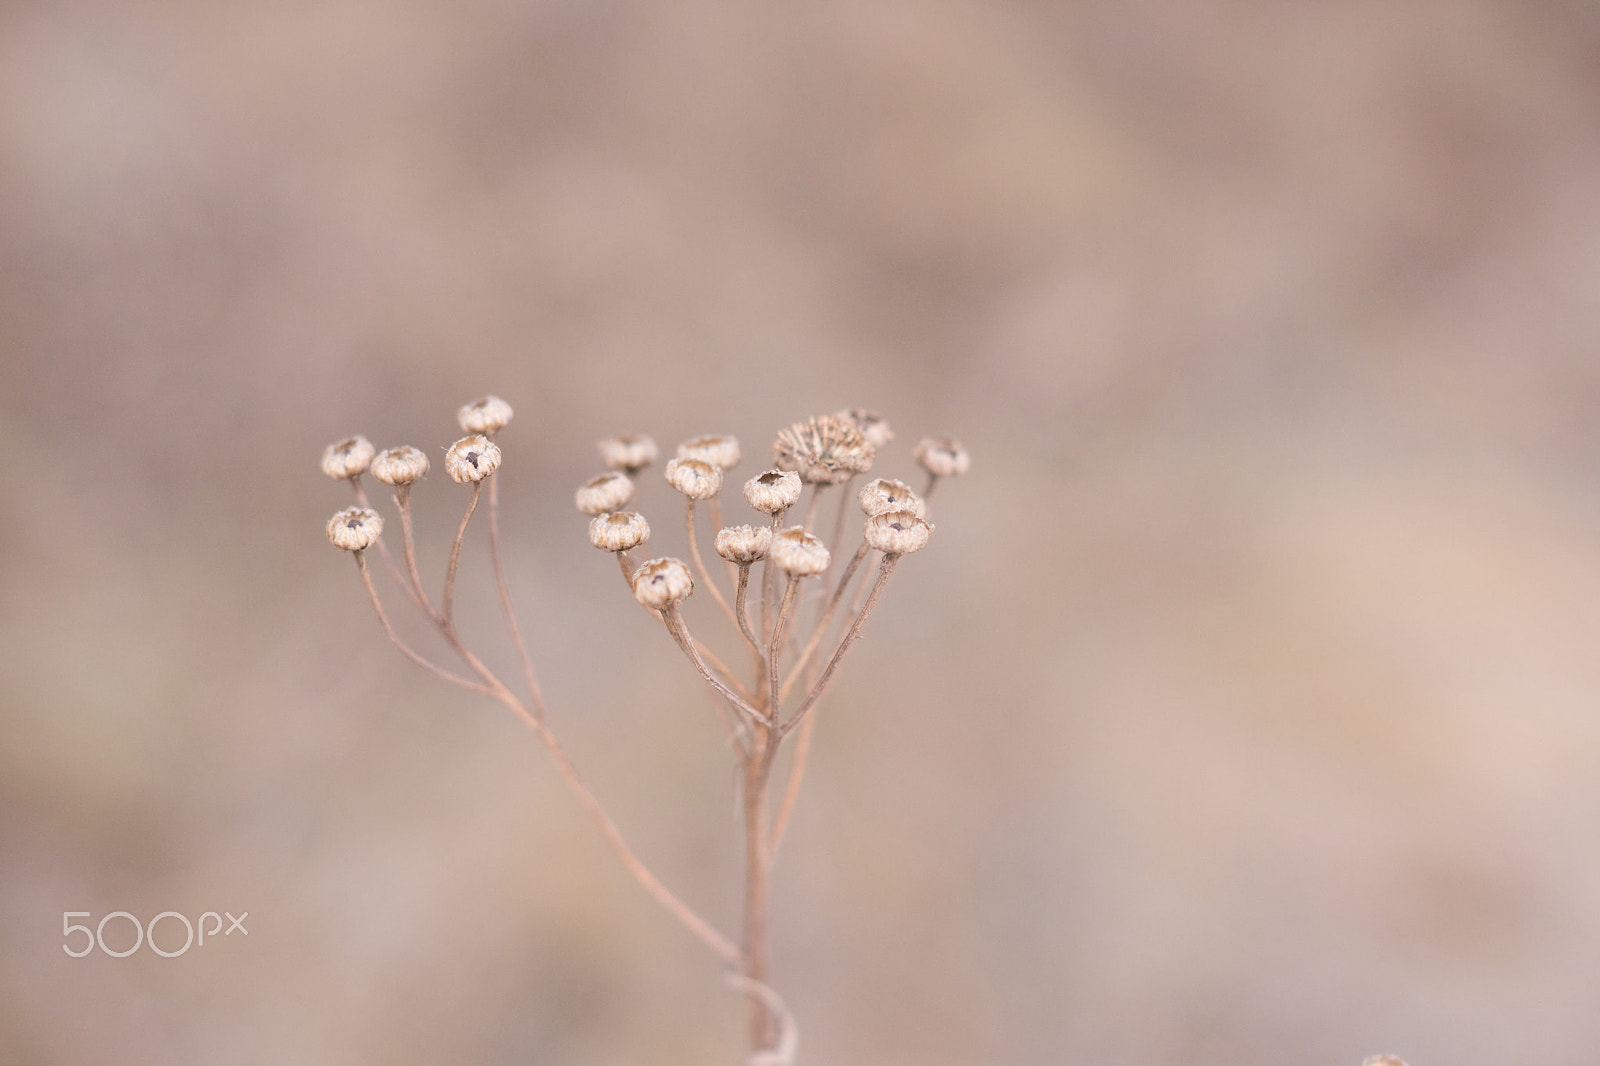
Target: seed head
x,y
355,528
485,415
824,450
400,466
720,451
798,553
897,532
885,494
744,544
662,583
347,458
628,452
695,478
871,425
619,531
471,459
773,491
605,493
942,456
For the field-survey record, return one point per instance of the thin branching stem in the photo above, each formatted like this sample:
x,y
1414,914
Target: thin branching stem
x,y
700,567
927,489
884,570
673,618
383,549
791,789
534,693
419,596
775,644
743,615
405,649
824,621
447,620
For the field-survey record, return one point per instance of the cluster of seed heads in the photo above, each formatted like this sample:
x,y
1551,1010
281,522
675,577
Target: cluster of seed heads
x,y
828,452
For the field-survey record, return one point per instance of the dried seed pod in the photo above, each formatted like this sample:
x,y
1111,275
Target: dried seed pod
x,y
721,452
743,544
871,425
347,458
773,491
471,459
798,553
942,456
605,493
824,450
400,466
885,494
695,478
619,531
355,528
662,583
484,415
627,452
897,532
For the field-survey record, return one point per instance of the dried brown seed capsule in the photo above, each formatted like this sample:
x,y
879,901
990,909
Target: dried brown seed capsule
x,y
355,528
871,425
605,493
942,456
721,452
773,491
662,583
347,458
618,532
400,466
744,544
628,452
695,478
885,494
798,553
484,415
471,459
897,532
824,450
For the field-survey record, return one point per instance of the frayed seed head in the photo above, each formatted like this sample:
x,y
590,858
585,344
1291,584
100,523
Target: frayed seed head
x,y
485,415
695,478
774,491
627,452
355,529
798,553
605,493
942,456
885,494
471,459
897,532
721,452
662,583
871,425
618,532
347,458
744,544
400,466
824,450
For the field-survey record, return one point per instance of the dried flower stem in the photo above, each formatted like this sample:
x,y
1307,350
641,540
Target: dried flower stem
x,y
791,789
491,686
700,567
383,551
884,570
739,610
775,643
823,622
534,694
673,618
447,619
402,501
405,649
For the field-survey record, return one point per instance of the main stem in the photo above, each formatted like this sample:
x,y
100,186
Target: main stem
x,y
756,944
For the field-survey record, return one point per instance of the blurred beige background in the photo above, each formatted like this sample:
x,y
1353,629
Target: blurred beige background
x,y
1241,711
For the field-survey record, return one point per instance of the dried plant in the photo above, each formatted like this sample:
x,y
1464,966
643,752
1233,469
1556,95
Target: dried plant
x,y
773,699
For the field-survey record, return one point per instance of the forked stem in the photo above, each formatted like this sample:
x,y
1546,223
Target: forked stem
x,y
884,570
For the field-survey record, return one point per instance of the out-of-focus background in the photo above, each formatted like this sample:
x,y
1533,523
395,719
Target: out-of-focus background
x,y
1242,710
